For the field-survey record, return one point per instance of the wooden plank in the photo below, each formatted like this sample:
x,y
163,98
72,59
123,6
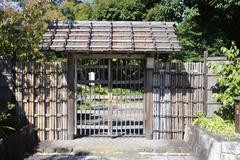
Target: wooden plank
x,y
110,56
110,86
237,115
215,58
148,102
205,83
71,95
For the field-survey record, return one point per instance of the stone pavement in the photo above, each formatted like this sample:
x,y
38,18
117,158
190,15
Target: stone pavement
x,y
127,157
113,149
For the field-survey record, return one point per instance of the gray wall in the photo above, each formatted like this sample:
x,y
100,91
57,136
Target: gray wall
x,y
211,103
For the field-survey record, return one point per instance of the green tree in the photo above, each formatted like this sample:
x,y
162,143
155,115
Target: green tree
x,y
171,10
118,10
83,11
74,10
218,22
21,31
190,37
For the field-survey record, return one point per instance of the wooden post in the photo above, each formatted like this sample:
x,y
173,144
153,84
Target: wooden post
x,y
205,84
71,95
110,77
237,115
148,94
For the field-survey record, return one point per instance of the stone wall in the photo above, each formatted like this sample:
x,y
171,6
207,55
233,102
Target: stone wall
x,y
207,146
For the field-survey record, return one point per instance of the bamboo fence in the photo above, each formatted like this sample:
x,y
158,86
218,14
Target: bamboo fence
x,y
177,97
41,94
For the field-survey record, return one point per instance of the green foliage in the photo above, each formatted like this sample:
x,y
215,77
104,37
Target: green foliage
x,y
5,108
118,10
216,125
67,8
83,11
190,37
86,106
75,11
218,22
102,90
228,80
21,30
166,11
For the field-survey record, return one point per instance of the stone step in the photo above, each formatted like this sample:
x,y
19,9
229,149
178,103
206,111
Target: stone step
x,y
105,146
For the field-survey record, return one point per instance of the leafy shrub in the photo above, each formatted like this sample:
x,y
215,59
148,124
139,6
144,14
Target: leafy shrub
x,y
102,90
216,125
228,81
84,107
5,109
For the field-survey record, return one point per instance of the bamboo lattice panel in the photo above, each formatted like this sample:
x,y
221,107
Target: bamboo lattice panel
x,y
177,97
41,93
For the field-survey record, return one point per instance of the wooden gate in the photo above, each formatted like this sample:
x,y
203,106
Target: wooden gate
x,y
110,97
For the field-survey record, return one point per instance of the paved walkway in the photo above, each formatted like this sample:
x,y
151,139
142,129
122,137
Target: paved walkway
x,y
110,145
113,149
127,157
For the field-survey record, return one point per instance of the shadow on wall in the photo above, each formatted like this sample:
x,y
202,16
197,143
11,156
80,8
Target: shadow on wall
x,y
177,97
24,138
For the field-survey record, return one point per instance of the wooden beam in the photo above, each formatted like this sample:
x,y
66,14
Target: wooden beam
x,y
148,95
216,58
110,85
205,84
237,115
71,95
110,56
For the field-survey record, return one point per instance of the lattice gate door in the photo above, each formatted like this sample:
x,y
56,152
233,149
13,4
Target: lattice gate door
x,y
110,97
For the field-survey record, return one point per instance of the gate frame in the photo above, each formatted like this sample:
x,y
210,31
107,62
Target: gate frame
x,y
71,79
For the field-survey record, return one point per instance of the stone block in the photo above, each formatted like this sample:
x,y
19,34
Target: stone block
x,y
173,150
147,149
140,150
231,147
214,150
204,140
203,153
225,156
161,150
63,150
185,149
196,135
49,150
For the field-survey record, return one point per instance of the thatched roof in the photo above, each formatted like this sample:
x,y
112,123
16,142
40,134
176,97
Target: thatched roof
x,y
111,36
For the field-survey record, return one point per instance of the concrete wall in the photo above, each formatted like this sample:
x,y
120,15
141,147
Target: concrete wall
x,y
211,88
208,146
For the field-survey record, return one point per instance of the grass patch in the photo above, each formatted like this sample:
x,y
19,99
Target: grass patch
x,y
84,107
103,90
217,125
